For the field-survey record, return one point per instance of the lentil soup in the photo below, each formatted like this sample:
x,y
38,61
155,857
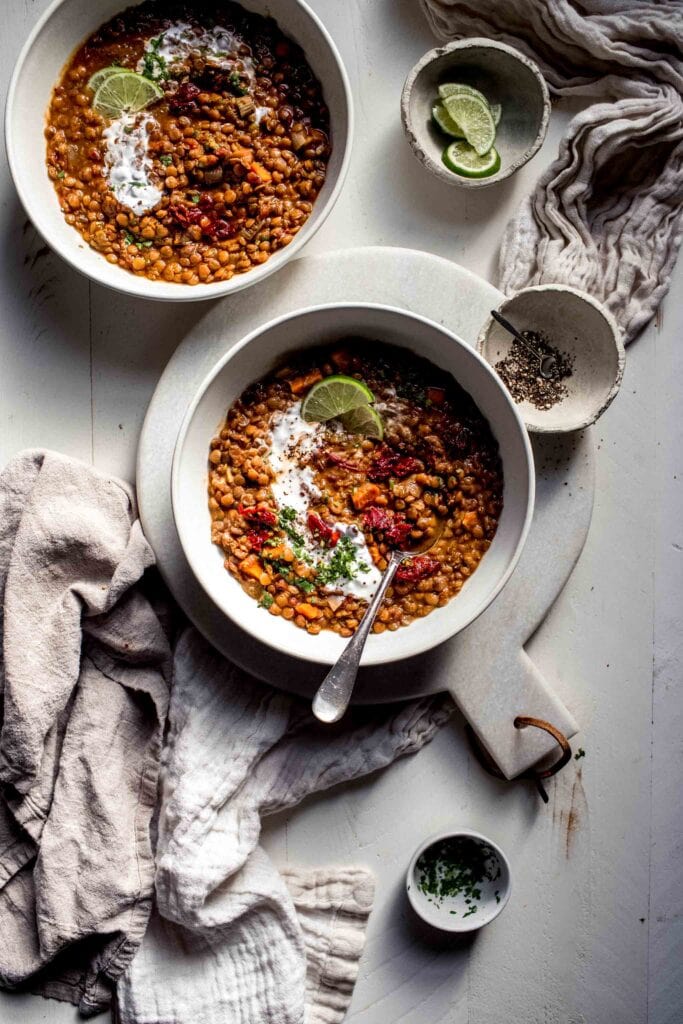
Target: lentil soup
x,y
306,514
217,172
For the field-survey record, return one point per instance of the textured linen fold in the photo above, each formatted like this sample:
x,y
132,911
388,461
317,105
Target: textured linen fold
x,y
264,946
83,679
606,215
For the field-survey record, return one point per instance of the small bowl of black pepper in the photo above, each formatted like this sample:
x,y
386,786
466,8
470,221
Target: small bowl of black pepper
x,y
458,881
567,366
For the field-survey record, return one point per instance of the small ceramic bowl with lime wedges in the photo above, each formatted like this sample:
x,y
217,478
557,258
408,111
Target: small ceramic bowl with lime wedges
x,y
475,111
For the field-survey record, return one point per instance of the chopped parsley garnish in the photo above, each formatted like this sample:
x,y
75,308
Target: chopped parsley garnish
x,y
456,867
154,66
266,600
61,174
286,518
579,754
195,198
343,565
236,84
141,243
166,159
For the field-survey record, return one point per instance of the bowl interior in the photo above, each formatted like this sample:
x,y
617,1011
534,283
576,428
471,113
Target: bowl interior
x,y
576,325
254,357
70,22
503,78
449,914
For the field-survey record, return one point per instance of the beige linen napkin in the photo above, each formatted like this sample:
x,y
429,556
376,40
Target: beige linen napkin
x,y
606,215
84,675
83,678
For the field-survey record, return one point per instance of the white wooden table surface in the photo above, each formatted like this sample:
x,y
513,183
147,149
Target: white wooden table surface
x,y
594,930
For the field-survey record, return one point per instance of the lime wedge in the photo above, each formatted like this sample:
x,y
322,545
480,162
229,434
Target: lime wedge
x,y
474,117
461,158
95,81
334,396
496,111
363,420
459,88
125,93
445,122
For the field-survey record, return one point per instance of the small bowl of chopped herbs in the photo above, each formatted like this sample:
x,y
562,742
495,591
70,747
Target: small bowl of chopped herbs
x,y
474,111
567,366
458,881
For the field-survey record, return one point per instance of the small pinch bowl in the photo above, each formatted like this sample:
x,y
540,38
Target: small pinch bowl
x,y
254,357
503,75
577,324
488,908
53,40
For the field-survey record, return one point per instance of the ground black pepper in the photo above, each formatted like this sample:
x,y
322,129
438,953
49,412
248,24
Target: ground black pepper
x,y
520,372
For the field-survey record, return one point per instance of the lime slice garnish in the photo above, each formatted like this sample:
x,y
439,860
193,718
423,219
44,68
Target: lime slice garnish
x,y
445,122
459,88
461,158
474,117
333,397
95,81
363,420
125,93
496,111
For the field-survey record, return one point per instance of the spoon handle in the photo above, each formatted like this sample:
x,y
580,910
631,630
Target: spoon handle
x,y
334,693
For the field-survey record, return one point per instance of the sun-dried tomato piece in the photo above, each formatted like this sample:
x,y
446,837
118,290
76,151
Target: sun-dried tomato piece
x,y
258,514
184,99
436,396
388,463
321,529
415,569
257,538
393,525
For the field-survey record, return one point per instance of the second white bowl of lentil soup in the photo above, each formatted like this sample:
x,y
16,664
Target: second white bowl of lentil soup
x,y
178,149
287,509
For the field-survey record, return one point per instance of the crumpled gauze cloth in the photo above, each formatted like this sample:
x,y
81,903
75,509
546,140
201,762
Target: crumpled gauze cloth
x,y
84,692
606,215
236,941
84,671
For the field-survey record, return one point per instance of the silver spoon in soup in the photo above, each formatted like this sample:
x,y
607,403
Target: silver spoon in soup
x,y
335,691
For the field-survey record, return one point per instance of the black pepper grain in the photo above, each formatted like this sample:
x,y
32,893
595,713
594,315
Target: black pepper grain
x,y
520,372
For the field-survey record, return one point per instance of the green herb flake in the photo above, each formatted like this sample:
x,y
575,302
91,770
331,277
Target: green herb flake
x,y
236,84
343,564
61,175
195,198
154,66
266,600
166,159
579,754
456,867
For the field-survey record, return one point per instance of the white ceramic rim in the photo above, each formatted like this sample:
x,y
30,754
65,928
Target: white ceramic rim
x,y
587,421
166,291
425,158
449,923
425,644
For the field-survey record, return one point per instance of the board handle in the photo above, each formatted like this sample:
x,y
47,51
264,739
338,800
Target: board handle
x,y
525,696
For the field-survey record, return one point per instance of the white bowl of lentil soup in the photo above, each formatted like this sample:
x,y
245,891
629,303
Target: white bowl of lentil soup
x,y
287,509
178,149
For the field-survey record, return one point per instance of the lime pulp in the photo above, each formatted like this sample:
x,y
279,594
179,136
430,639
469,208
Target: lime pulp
x,y
125,92
95,80
333,397
445,122
475,118
363,420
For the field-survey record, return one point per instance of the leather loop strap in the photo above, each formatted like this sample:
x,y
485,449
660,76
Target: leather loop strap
x,y
536,774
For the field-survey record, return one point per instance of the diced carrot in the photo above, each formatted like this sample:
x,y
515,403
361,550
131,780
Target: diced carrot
x,y
263,173
279,553
306,381
252,566
469,520
309,611
365,494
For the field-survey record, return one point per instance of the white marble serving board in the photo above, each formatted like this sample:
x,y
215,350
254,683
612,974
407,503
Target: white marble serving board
x,y
485,667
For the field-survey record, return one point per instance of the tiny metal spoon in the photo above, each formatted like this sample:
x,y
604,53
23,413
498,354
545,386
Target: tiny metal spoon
x,y
334,693
547,364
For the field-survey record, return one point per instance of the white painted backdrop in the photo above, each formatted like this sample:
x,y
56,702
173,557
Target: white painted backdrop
x,y
594,929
